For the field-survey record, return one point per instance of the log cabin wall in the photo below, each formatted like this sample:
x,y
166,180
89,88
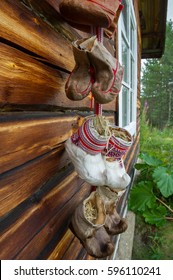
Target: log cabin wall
x,y
39,188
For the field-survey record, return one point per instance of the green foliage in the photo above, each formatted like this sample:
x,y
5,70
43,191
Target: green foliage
x,y
164,181
149,160
156,88
142,202
152,243
154,227
155,215
158,144
149,194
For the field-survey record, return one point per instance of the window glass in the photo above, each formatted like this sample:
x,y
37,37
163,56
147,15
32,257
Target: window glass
x,y
125,17
125,59
132,72
125,106
132,37
131,105
128,58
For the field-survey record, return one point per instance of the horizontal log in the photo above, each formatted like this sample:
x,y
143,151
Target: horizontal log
x,y
25,139
62,246
43,221
21,26
20,183
24,80
75,251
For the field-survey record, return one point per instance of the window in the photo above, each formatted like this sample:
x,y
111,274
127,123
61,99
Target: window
x,y
127,43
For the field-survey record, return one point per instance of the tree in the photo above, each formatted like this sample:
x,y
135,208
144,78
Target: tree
x,y
157,87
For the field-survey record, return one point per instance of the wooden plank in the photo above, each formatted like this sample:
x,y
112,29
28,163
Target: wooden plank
x,y
23,80
34,34
25,139
62,246
75,252
20,183
43,221
56,227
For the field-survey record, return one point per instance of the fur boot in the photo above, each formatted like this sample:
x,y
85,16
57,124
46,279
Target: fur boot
x,y
88,225
89,12
108,73
114,224
79,83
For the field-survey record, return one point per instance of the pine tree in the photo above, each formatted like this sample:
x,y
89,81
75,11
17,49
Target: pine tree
x,y
157,85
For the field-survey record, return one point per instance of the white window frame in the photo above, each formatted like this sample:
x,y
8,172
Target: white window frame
x,y
130,124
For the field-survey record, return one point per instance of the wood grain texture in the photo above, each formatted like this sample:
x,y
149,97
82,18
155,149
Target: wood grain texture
x,y
45,218
20,183
62,246
23,139
54,229
24,80
22,27
75,251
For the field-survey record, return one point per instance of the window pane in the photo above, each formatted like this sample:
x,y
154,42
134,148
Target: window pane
x,y
124,106
125,17
132,37
131,106
125,51
132,72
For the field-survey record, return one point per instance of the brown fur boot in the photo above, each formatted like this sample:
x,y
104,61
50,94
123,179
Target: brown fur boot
x,y
79,83
108,74
114,224
88,225
89,12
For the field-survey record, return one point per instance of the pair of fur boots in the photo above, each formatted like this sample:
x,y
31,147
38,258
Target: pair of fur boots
x,y
95,220
95,71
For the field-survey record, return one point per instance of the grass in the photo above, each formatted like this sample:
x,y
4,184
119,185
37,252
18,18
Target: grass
x,y
151,243
156,142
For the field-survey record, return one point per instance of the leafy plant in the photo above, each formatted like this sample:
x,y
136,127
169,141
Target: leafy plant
x,y
151,195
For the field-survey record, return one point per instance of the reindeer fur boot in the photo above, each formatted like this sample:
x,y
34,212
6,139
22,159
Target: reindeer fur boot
x,y
108,73
89,12
88,225
79,83
114,224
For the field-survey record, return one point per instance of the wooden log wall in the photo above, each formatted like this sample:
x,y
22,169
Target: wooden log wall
x,y
39,188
